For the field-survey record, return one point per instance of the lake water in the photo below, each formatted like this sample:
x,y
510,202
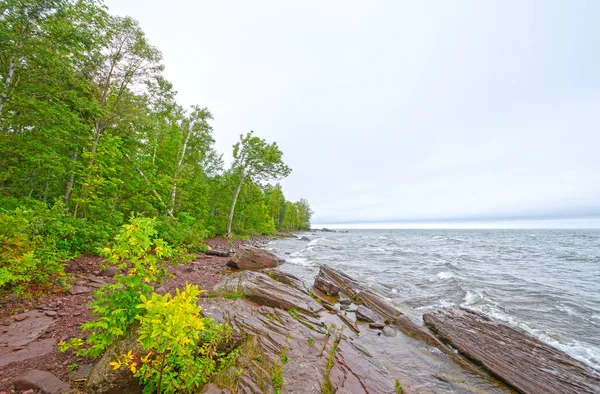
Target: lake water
x,y
546,282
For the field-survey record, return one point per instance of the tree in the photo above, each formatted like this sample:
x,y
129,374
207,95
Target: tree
x,y
255,160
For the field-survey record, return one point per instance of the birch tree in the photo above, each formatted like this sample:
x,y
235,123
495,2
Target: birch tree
x,y
255,160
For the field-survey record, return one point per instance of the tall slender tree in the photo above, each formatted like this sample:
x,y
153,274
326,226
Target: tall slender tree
x,y
255,160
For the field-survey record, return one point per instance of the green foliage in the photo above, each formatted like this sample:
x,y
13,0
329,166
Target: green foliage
x,y
311,341
82,147
183,350
398,387
277,378
137,251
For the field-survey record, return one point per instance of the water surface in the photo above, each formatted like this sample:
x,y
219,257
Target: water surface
x,y
546,282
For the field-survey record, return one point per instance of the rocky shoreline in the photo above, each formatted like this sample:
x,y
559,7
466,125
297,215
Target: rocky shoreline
x,y
337,337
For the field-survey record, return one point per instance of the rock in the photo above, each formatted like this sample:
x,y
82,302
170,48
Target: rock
x,y
389,331
50,313
520,360
22,340
345,301
249,257
19,317
287,279
326,286
219,253
264,290
379,305
81,372
304,238
160,290
41,380
109,272
376,325
271,333
103,379
365,314
79,290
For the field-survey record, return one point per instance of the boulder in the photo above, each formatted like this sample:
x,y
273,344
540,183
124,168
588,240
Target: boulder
x,y
249,257
42,381
103,379
520,360
264,290
365,314
109,272
326,286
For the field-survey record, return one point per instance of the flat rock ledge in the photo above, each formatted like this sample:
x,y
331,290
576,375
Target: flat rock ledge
x,y
42,381
250,257
520,360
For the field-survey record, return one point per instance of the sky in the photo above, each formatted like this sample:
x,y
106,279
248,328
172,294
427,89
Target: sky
x,y
391,112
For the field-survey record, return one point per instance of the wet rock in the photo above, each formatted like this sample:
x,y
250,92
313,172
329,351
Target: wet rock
x,y
103,379
378,325
355,290
79,290
41,380
249,257
389,331
520,360
264,290
326,286
345,301
365,314
109,272
304,238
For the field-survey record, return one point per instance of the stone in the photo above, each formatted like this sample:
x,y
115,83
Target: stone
x,y
81,372
50,313
345,301
19,317
365,314
249,257
103,379
286,278
515,357
389,331
109,272
264,290
326,286
160,290
79,290
41,380
376,325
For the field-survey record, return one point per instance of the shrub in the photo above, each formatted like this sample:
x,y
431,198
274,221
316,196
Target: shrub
x,y
183,350
137,251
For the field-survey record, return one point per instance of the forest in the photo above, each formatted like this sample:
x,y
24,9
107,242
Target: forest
x,y
92,136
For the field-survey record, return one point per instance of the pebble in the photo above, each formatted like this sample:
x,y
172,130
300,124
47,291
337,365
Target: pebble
x,y
19,317
50,313
389,331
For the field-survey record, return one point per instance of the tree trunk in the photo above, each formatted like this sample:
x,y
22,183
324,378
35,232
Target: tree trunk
x,y
231,212
176,174
158,197
71,180
8,82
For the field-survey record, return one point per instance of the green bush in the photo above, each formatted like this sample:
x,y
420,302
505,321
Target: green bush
x,y
183,231
144,257
184,350
32,250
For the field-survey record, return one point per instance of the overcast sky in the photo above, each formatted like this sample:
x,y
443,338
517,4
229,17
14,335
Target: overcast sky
x,y
401,111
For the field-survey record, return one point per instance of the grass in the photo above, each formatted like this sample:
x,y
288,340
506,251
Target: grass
x,y
398,387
